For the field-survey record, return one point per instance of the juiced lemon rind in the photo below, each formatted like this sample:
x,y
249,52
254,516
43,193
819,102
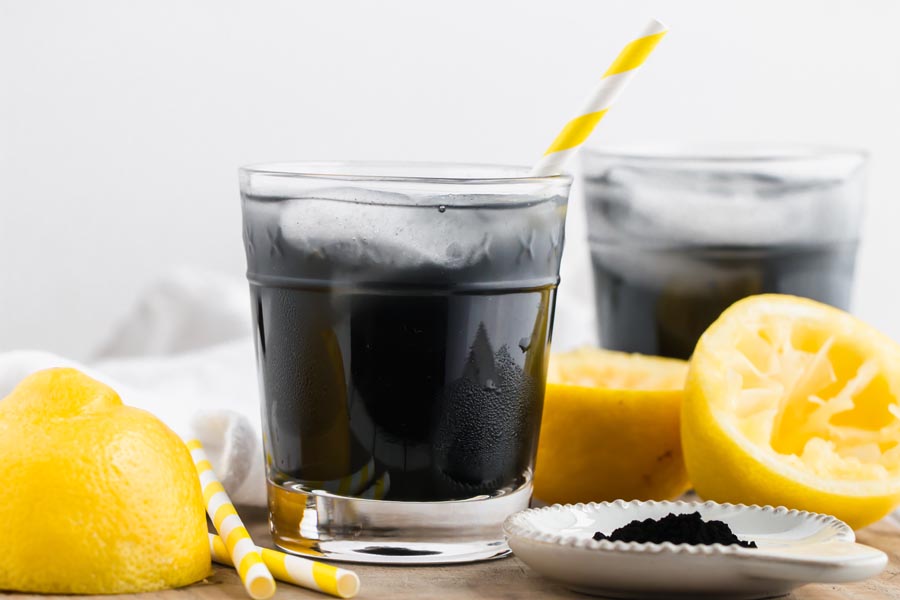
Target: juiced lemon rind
x,y
789,401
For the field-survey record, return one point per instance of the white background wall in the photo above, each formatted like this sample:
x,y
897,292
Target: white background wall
x,y
121,123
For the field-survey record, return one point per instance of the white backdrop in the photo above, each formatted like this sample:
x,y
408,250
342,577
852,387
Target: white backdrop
x,y
121,123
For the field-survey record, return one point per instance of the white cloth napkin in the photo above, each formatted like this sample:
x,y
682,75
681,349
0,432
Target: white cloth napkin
x,y
185,354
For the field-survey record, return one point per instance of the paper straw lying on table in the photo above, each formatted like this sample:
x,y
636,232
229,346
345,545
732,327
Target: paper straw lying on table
x,y
601,99
300,571
240,548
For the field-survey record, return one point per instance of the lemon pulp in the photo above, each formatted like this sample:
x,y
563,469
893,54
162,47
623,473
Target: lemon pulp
x,y
800,390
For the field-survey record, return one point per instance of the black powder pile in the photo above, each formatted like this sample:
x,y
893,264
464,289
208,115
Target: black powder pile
x,y
678,529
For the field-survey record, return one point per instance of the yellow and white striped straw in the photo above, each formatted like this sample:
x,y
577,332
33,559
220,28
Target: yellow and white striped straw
x,y
351,484
361,484
379,489
601,99
306,573
238,545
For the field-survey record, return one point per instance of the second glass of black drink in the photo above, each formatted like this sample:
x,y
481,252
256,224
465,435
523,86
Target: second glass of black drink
x,y
678,234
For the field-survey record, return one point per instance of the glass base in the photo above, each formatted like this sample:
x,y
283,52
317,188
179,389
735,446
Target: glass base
x,y
318,523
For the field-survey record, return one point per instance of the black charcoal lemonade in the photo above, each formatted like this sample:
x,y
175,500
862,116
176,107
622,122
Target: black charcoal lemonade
x,y
679,235
666,314
424,388
402,339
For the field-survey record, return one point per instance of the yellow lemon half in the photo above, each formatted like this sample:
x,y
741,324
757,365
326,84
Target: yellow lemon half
x,y
99,497
610,428
791,402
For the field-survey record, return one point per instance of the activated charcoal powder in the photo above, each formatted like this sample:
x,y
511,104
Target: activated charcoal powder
x,y
678,529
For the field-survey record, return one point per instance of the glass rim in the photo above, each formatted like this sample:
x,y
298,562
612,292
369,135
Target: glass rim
x,y
727,152
370,171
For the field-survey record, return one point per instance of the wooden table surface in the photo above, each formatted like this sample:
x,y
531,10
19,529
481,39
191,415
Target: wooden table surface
x,y
507,578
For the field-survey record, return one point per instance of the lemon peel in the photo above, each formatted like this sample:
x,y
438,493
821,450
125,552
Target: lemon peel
x,y
792,402
102,498
610,428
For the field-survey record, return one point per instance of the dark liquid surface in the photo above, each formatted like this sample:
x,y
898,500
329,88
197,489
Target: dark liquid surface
x,y
401,394
660,301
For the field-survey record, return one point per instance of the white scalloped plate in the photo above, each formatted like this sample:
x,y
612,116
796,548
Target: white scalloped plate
x,y
795,548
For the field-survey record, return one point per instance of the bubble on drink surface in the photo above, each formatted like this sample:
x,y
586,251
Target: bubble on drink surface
x,y
525,344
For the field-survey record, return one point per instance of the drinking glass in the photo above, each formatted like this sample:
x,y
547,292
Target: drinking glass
x,y
679,233
403,315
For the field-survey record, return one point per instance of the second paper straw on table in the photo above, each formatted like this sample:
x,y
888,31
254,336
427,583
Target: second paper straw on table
x,y
297,570
240,547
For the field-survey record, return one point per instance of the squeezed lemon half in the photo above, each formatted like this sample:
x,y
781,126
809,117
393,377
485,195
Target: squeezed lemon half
x,y
792,402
